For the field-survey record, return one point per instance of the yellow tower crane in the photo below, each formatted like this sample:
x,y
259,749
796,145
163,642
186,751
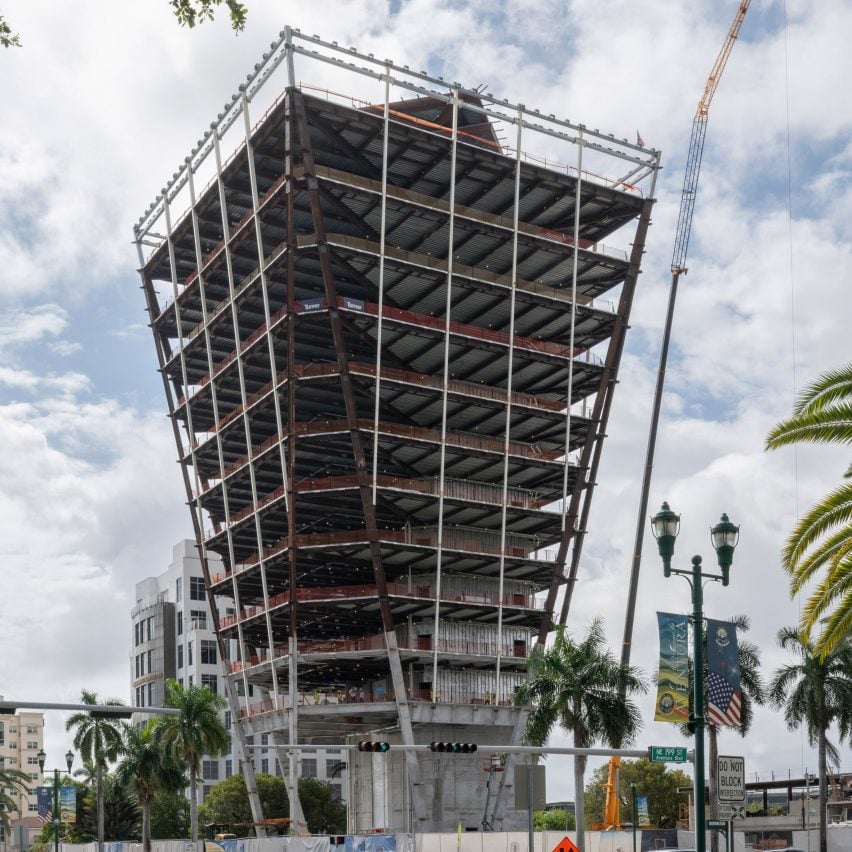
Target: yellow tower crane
x,y
612,818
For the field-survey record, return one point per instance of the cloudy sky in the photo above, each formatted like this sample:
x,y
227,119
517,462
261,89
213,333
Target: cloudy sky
x,y
104,100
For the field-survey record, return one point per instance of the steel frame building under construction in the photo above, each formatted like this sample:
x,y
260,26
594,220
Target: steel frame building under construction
x,y
389,368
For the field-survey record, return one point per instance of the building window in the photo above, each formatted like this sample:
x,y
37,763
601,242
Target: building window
x,y
210,681
32,743
336,792
32,807
180,623
150,630
180,656
196,588
32,729
208,651
32,761
189,653
309,767
191,680
179,590
135,635
227,720
210,770
150,661
151,694
264,765
229,768
333,768
33,776
199,619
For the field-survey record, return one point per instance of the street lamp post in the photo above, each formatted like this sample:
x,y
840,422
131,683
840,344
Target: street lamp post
x,y
57,821
724,536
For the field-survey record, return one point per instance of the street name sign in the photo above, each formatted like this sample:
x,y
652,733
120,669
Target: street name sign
x,y
731,779
668,754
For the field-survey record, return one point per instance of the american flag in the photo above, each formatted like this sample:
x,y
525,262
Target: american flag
x,y
43,797
724,695
723,702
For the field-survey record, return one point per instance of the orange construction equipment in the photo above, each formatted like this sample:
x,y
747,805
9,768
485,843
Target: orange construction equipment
x,y
612,804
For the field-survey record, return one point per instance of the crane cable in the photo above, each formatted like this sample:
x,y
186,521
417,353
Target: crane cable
x,y
678,267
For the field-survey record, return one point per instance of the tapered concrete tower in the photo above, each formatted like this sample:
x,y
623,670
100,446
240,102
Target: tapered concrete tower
x,y
389,330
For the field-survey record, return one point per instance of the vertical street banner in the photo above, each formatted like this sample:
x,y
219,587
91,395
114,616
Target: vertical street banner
x,y
724,693
44,803
673,680
68,804
642,817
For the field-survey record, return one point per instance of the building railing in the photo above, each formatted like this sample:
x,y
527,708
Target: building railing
x,y
463,539
462,647
402,590
366,695
472,332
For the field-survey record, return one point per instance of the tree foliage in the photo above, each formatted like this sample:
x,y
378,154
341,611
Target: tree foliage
x,y
815,692
192,12
188,12
169,816
821,542
7,37
322,813
554,820
12,783
653,780
227,803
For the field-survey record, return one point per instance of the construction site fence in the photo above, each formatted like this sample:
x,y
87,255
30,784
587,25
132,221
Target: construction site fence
x,y
839,840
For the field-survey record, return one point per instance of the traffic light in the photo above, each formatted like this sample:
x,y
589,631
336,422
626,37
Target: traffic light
x,y
368,746
453,748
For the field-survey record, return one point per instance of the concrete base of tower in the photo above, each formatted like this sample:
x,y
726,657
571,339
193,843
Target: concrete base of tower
x,y
454,788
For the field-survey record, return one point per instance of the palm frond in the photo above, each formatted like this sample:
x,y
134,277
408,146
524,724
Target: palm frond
x,y
834,510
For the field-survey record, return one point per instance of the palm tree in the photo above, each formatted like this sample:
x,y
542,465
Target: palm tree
x,y
88,774
11,780
197,731
582,688
815,691
822,540
147,768
98,740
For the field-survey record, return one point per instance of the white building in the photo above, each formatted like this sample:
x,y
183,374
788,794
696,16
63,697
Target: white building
x,y
172,637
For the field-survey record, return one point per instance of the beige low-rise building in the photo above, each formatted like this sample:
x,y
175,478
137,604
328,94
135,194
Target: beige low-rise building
x,y
21,739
